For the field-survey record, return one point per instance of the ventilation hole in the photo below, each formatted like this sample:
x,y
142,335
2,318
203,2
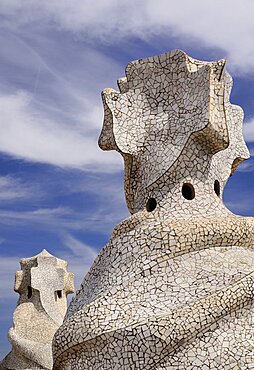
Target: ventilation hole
x,y
188,191
29,292
59,293
217,187
151,205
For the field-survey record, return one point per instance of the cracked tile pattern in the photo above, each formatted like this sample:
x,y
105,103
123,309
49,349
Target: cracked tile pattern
x,y
174,287
43,284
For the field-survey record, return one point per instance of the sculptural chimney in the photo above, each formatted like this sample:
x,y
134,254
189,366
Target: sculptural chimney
x,y
174,287
43,284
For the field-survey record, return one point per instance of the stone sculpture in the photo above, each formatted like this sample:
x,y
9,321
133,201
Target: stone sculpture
x,y
43,284
174,287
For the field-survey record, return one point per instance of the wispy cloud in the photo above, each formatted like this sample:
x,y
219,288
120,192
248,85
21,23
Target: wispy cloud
x,y
107,188
101,219
12,188
49,218
80,257
248,130
56,115
222,25
62,200
27,133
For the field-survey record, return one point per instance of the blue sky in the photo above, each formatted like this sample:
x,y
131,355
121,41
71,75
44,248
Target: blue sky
x,y
58,190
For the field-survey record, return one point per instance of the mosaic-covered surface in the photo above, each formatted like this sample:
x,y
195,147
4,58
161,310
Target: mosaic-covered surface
x,y
43,284
174,287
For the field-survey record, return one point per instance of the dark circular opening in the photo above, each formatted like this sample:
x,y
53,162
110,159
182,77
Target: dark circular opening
x,y
217,187
151,204
188,191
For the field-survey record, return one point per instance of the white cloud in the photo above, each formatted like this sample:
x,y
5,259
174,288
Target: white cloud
x,y
44,217
13,189
107,188
28,133
221,24
248,130
101,219
80,249
56,115
57,118
81,259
